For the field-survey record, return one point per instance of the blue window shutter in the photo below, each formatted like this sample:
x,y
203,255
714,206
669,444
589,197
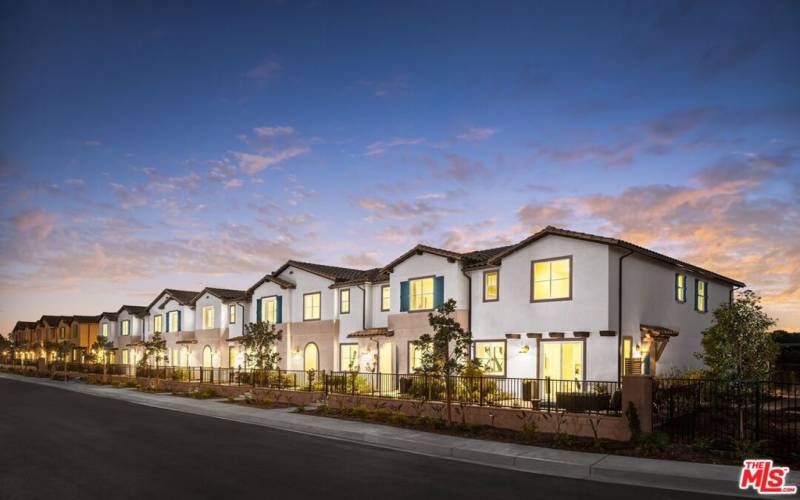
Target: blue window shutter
x,y
258,310
438,291
404,296
166,327
279,309
696,294
179,322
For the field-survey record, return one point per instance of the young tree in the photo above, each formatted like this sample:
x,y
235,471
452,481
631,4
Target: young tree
x,y
738,345
446,350
5,348
102,345
155,349
63,351
260,342
50,348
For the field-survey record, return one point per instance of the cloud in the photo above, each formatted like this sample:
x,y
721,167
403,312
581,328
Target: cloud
x,y
75,182
380,147
273,131
92,144
403,210
476,134
458,168
233,183
37,223
363,259
264,72
251,164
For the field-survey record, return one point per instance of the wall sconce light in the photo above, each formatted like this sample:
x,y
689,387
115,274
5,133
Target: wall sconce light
x,y
524,349
296,350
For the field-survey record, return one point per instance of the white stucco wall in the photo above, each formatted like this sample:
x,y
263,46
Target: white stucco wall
x,y
187,315
418,266
135,323
354,320
112,328
648,293
306,282
270,289
378,318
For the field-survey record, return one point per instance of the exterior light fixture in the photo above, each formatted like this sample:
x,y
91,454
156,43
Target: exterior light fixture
x,y
524,349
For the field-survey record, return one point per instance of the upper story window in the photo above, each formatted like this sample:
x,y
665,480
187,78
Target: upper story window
x,y
173,321
386,298
344,301
492,356
421,294
208,317
551,279
104,330
491,286
269,310
125,327
680,287
311,306
158,323
700,296
62,332
232,314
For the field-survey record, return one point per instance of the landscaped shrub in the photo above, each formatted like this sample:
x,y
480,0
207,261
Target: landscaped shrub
x,y
651,443
382,415
361,412
398,418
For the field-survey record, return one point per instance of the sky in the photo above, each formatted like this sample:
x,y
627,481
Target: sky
x,y
146,145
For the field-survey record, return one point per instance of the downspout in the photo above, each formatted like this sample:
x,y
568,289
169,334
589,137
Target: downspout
x,y
619,317
363,307
469,299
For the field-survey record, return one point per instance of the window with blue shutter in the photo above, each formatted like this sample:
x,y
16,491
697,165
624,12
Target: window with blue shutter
x,y
179,322
438,291
279,309
404,296
259,303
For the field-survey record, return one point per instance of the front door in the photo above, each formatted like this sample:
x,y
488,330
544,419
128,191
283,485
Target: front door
x,y
562,362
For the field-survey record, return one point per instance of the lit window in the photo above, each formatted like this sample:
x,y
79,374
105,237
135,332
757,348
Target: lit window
x,y
344,301
490,286
551,279
492,356
125,327
700,296
173,318
627,355
415,353
311,306
105,330
386,298
158,323
232,313
61,332
125,357
208,317
421,294
269,310
680,287
348,357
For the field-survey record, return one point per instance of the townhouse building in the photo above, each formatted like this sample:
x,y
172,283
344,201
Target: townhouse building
x,y
172,314
108,329
560,304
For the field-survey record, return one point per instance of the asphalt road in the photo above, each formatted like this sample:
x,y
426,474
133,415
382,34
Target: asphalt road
x,y
62,445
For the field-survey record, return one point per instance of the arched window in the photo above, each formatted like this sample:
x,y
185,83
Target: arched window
x,y
208,358
311,357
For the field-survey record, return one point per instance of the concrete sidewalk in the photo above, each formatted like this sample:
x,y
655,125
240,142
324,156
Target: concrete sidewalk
x,y
685,476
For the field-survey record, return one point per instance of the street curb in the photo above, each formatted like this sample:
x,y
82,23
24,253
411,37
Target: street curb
x,y
664,474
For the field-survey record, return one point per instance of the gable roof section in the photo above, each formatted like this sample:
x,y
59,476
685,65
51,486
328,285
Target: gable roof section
x,y
139,311
24,325
332,273
419,250
50,320
183,297
112,316
269,277
551,230
223,294
375,275
86,319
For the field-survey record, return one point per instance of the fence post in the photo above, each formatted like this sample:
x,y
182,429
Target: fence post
x,y
638,390
480,393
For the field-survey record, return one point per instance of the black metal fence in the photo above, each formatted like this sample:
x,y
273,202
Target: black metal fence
x,y
536,394
726,415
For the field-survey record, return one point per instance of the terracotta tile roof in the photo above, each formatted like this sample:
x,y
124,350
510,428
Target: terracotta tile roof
x,y
480,258
332,273
23,325
110,315
419,250
375,275
50,320
274,279
86,319
372,332
134,310
184,297
550,230
224,294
